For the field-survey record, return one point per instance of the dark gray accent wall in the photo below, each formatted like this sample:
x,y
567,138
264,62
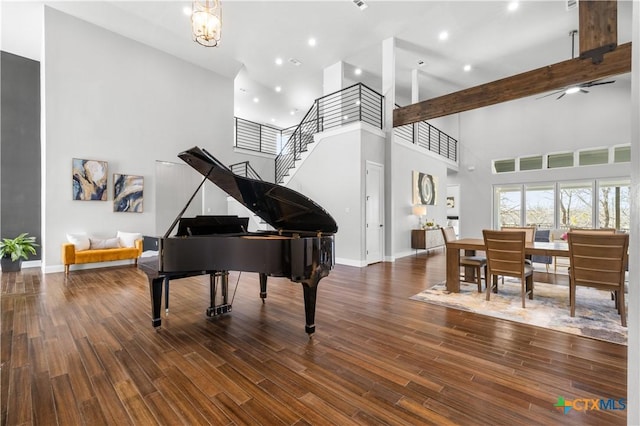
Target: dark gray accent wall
x,y
20,153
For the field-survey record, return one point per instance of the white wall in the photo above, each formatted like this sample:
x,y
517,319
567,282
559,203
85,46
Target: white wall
x,y
406,159
109,98
531,127
333,177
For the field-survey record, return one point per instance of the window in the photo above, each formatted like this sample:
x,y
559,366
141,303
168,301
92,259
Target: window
x,y
613,204
575,204
622,154
503,166
531,163
564,159
509,202
593,156
540,205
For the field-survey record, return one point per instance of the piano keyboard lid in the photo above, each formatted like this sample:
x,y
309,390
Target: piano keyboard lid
x,y
282,208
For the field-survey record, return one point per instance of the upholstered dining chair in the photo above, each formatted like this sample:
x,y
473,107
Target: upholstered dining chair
x,y
505,257
478,263
598,260
542,235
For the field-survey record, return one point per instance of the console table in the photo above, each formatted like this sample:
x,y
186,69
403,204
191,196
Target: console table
x,y
426,239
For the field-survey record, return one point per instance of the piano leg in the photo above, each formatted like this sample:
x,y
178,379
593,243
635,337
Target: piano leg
x,y
310,291
166,296
263,286
155,288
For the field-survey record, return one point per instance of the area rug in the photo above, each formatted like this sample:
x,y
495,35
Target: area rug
x,y
596,315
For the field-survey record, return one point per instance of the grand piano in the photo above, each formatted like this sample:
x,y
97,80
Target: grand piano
x,y
301,247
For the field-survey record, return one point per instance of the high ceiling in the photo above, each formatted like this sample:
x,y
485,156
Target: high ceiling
x,y
496,43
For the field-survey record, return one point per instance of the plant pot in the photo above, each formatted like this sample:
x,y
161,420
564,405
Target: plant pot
x,y
9,265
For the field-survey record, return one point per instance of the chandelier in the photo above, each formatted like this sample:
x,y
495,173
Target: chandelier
x,y
206,22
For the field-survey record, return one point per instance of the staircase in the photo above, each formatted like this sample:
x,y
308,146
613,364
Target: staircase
x,y
355,103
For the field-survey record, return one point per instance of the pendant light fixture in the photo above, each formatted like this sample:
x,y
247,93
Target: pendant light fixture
x,y
206,22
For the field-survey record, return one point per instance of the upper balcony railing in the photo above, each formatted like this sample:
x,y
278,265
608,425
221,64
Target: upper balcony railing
x,y
257,137
430,138
355,103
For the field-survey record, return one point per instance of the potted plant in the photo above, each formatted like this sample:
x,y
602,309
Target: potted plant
x,y
13,250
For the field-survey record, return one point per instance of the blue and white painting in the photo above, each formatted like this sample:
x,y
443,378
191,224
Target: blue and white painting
x,y
127,193
89,180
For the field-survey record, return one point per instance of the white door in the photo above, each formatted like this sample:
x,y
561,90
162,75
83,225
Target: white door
x,y
374,212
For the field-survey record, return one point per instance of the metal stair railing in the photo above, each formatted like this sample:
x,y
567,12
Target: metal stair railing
x,y
354,103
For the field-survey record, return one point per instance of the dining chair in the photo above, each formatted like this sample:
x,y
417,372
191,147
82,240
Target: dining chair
x,y
542,235
593,230
478,263
505,257
530,233
598,260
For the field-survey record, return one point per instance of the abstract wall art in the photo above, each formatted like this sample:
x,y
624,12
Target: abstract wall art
x,y
127,193
424,189
89,180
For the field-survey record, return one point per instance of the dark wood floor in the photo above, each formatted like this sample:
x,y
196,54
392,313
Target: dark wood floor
x,y
82,351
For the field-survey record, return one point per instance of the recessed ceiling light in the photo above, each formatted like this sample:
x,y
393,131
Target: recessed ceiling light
x,y
278,89
361,4
278,61
443,35
292,112
273,120
312,41
357,71
256,100
467,68
513,6
186,10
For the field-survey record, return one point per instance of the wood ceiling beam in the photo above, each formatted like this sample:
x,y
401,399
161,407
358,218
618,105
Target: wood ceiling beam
x,y
545,79
598,23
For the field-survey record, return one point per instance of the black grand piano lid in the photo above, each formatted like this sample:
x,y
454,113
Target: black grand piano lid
x,y
282,208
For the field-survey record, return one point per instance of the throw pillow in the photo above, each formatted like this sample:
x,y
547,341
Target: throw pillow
x,y
102,243
81,241
128,239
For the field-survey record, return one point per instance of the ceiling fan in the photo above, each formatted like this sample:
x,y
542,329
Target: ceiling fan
x,y
577,87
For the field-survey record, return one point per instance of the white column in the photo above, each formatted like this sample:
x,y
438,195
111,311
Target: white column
x,y
633,351
389,92
333,78
415,88
415,98
332,82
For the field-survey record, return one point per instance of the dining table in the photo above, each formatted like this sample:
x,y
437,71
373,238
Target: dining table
x,y
471,245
